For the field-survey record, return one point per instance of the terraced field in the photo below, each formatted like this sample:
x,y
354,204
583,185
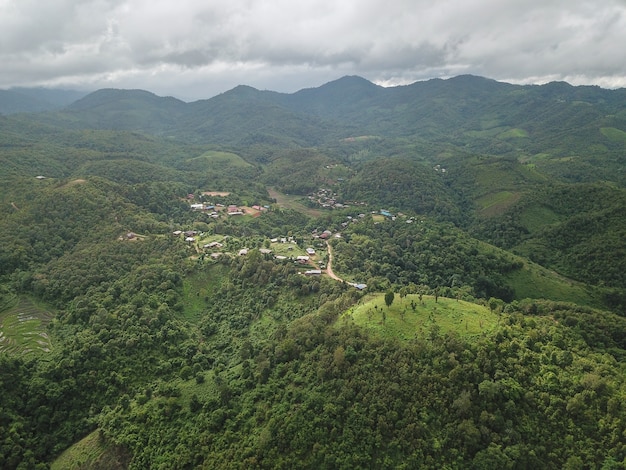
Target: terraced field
x,y
23,329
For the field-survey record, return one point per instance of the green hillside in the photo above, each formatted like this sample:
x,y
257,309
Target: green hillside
x,y
349,276
410,318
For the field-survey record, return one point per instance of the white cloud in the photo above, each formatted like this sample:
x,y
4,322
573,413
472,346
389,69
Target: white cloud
x,y
194,48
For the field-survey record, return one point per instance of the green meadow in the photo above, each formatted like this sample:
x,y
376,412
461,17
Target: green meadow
x,y
409,318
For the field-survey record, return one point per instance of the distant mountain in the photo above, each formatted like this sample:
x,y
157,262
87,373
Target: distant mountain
x,y
33,100
464,114
135,110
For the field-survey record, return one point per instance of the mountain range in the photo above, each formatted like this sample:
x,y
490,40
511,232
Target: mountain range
x,y
472,113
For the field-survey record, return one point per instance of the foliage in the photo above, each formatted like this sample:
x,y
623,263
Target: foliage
x,y
469,348
422,253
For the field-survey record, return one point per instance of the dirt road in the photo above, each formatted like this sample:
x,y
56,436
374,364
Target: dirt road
x,y
329,266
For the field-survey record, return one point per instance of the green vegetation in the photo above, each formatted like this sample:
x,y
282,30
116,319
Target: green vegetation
x,y
412,318
513,134
473,317
23,329
614,134
92,452
215,158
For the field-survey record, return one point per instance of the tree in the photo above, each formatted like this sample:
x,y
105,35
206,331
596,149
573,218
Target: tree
x,y
494,304
389,296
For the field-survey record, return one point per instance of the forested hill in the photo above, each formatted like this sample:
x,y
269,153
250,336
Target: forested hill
x,y
350,276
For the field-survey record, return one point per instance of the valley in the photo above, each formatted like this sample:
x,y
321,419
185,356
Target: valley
x,y
351,276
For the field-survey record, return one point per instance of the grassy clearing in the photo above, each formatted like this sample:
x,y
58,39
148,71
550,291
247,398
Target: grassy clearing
x,y
514,133
214,157
535,282
536,217
611,133
83,454
287,249
23,328
293,202
90,452
496,203
199,287
402,322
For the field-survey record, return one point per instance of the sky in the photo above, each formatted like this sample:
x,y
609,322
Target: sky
x,y
196,49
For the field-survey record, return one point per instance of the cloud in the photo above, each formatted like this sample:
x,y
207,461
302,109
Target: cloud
x,y
195,49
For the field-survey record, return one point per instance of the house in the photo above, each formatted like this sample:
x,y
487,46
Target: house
x,y
265,251
213,245
197,207
302,259
313,272
310,251
358,286
177,233
243,251
190,239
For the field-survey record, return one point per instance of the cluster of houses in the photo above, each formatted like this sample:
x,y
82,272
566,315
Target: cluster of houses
x,y
327,199
190,235
214,210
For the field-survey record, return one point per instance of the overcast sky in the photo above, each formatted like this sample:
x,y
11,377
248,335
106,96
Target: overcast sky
x,y
196,49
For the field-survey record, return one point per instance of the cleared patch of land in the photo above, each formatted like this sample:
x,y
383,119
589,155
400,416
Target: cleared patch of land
x,y
514,133
199,288
74,183
214,157
534,281
23,329
496,203
409,318
537,217
616,135
293,202
91,452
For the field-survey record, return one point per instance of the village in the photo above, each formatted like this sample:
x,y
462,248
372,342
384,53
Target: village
x,y
328,199
311,253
